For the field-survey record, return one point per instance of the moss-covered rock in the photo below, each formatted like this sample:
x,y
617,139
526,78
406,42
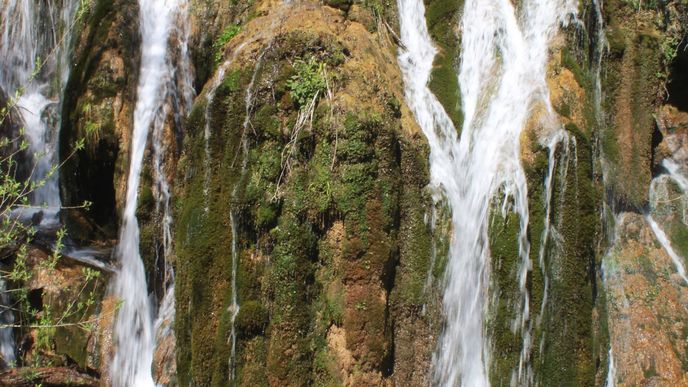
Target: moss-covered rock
x,y
97,108
310,204
443,18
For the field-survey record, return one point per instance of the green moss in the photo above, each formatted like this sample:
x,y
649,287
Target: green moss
x,y
416,243
678,232
204,236
442,16
581,74
504,232
287,196
569,352
231,82
633,67
227,34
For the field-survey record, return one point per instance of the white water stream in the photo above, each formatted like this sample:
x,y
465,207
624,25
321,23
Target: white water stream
x,y
658,195
34,45
180,99
35,40
503,57
134,340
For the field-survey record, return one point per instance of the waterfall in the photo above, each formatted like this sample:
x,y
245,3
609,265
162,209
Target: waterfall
x,y
673,169
180,96
666,244
502,74
35,43
659,195
611,372
34,48
134,340
234,306
608,272
6,318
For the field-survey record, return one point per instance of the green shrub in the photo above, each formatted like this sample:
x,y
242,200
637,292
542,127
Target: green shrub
x,y
226,35
308,81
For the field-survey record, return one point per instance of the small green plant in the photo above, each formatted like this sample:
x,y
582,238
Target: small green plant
x,y
224,38
669,48
309,81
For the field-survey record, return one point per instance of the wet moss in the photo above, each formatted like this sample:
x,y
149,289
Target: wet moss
x,y
204,237
504,232
573,290
633,81
442,18
678,233
415,235
340,177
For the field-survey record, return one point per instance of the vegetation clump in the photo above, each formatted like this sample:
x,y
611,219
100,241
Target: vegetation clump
x,y
309,82
224,38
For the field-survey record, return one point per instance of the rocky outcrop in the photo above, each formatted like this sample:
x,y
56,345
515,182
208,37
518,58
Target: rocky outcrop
x,y
98,109
318,200
48,377
646,298
643,42
648,309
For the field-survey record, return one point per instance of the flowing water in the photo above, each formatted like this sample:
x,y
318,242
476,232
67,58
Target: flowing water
x,y
6,318
179,98
502,74
207,132
662,203
610,274
34,48
234,306
611,372
134,341
35,40
662,238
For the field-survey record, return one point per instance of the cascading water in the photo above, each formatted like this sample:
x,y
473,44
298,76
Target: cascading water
x,y
34,46
664,241
134,340
659,194
234,307
502,75
181,98
611,372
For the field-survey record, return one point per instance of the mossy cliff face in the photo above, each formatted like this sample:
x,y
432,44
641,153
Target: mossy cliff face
x,y
327,216
643,41
326,213
67,296
645,115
